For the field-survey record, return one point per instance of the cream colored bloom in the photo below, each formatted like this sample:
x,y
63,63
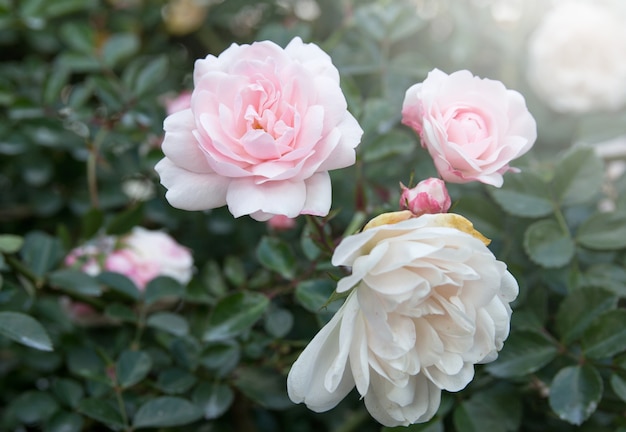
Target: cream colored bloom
x,y
429,301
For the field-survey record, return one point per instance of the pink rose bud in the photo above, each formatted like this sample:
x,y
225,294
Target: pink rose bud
x,y
429,196
281,223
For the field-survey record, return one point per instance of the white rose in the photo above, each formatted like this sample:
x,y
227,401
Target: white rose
x,y
577,56
429,301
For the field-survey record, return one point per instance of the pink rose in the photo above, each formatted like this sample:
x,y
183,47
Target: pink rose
x,y
430,196
265,126
145,255
471,127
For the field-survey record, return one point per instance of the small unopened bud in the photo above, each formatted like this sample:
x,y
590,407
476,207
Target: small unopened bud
x,y
281,223
429,196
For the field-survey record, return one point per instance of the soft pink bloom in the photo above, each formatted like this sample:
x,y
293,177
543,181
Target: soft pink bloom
x,y
146,255
178,103
429,196
471,127
281,222
265,126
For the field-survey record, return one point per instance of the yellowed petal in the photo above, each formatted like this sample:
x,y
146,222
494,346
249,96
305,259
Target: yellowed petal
x,y
388,219
453,220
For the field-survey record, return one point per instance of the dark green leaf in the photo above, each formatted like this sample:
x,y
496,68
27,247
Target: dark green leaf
x,y
234,270
608,276
25,330
55,82
119,283
102,411
75,281
151,75
618,384
214,398
606,231
606,336
547,245
314,294
212,277
125,221
119,47
578,176
524,194
494,410
278,322
169,322
264,386
85,362
120,312
388,145
34,406
166,411
575,393
235,314
91,222
524,352
580,309
175,380
132,367
68,391
41,252
276,255
221,358
163,288
63,421
10,243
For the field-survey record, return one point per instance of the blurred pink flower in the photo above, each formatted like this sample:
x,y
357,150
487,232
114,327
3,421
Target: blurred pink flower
x,y
471,127
281,222
178,103
429,196
265,126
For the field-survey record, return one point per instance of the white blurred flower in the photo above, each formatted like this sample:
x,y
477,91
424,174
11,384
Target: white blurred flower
x,y
577,56
429,301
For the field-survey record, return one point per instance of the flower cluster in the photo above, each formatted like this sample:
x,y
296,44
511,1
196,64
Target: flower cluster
x,y
426,299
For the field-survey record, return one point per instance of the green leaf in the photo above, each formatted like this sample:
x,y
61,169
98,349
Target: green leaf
x,y
56,80
169,322
162,287
166,411
10,243
91,222
75,281
68,391
221,358
213,398
34,406
235,314
608,276
496,409
394,143
580,309
275,255
618,384
524,194
119,47
41,252
605,231
314,294
151,75
175,380
578,177
85,362
25,330
125,221
524,352
234,271
575,393
606,336
102,411
264,386
120,312
132,367
278,322
63,421
547,245
120,284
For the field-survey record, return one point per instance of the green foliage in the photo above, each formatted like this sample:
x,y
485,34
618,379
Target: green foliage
x,y
83,85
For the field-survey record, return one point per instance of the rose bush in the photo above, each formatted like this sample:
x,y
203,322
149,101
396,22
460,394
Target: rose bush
x,y
428,301
429,196
471,127
265,126
576,60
